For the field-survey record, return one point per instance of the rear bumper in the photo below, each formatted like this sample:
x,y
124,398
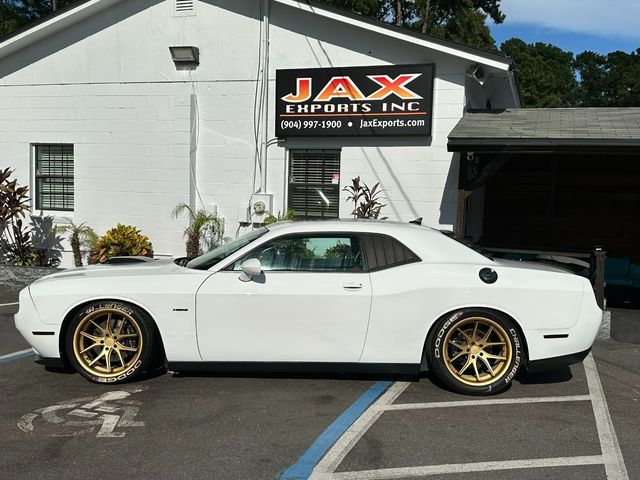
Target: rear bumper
x,y
556,362
552,348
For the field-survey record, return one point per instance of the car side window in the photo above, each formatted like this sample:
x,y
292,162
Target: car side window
x,y
326,253
383,251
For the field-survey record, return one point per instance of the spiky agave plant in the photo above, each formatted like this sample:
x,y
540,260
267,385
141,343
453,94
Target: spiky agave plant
x,y
79,235
203,227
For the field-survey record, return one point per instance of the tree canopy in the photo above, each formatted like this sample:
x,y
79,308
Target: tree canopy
x,y
16,13
9,20
611,80
546,75
462,21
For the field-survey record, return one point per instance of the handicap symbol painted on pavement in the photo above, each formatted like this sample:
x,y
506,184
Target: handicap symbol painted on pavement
x,y
106,415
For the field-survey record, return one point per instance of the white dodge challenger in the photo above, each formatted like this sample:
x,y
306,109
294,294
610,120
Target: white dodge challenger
x,y
342,296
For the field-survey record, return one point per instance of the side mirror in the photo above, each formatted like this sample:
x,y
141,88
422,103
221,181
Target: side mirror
x,y
250,269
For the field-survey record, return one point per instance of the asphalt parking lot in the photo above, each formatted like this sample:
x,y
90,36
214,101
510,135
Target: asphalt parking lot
x,y
578,423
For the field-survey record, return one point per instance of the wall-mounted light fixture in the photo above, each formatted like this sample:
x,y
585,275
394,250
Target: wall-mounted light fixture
x,y
185,55
477,72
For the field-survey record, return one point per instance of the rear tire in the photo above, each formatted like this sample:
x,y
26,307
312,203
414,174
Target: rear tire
x,y
111,342
475,351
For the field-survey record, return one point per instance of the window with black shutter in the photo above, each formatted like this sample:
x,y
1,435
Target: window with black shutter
x,y
54,177
314,183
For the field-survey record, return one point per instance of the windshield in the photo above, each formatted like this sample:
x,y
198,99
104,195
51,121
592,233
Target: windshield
x,y
209,259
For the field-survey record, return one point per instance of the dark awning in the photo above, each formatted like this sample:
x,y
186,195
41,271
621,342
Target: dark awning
x,y
547,129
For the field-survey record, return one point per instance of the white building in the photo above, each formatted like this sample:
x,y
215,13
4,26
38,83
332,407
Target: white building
x,y
99,120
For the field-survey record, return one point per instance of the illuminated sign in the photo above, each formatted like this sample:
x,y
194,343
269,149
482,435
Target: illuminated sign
x,y
354,101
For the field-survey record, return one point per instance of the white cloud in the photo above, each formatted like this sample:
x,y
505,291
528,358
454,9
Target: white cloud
x,y
612,18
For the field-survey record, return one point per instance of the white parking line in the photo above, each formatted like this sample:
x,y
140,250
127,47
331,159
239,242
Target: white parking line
x,y
611,456
336,454
613,460
496,401
404,472
9,304
10,357
16,354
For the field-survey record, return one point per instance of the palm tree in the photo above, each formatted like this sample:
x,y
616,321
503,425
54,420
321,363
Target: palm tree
x,y
80,235
204,227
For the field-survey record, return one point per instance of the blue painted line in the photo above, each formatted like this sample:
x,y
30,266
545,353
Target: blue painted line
x,y
15,356
301,470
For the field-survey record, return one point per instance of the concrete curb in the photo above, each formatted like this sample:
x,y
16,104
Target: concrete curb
x,y
605,327
14,278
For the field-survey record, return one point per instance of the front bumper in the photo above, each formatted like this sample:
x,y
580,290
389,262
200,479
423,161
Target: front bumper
x,y
42,337
54,363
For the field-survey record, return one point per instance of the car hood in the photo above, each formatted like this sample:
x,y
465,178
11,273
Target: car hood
x,y
154,267
530,266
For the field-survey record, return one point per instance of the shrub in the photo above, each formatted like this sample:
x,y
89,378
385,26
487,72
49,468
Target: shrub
x,y
366,200
204,228
79,235
16,246
122,240
271,218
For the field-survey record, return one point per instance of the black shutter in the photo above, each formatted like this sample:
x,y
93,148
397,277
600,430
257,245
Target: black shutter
x,y
54,177
314,189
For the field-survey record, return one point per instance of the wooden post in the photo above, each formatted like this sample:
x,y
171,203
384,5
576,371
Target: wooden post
x,y
461,213
601,256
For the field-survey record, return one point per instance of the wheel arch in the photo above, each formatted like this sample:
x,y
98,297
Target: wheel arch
x,y
74,310
432,329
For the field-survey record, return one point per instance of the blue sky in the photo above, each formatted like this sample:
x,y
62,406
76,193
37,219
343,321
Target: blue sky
x,y
574,25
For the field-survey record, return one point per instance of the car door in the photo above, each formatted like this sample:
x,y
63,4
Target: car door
x,y
311,303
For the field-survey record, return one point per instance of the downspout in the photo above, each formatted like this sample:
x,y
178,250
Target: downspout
x,y
513,86
265,95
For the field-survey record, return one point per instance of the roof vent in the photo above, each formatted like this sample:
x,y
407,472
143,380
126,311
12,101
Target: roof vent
x,y
185,7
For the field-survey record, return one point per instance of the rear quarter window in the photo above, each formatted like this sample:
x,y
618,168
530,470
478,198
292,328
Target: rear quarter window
x,y
383,251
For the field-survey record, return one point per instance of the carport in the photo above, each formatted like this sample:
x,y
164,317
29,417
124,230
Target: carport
x,y
558,182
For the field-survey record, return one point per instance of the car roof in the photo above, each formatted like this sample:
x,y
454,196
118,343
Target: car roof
x,y
429,244
339,225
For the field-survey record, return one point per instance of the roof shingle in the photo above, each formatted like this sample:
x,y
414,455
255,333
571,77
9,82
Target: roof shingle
x,y
547,126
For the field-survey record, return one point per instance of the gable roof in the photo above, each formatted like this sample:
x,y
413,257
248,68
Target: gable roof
x,y
83,8
535,129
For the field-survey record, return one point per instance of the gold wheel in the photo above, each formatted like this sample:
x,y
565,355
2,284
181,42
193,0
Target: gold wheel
x,y
477,351
107,342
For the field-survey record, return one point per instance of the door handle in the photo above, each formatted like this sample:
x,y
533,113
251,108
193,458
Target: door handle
x,y
352,286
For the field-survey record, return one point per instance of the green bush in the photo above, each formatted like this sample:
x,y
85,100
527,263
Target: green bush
x,y
16,243
122,240
271,218
79,235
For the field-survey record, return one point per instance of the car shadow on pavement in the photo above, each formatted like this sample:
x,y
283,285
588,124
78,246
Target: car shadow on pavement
x,y
559,375
299,375
158,372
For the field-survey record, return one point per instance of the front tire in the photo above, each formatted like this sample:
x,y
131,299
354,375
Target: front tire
x,y
111,342
475,351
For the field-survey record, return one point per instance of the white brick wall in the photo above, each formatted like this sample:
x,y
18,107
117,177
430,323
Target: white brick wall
x,y
112,90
